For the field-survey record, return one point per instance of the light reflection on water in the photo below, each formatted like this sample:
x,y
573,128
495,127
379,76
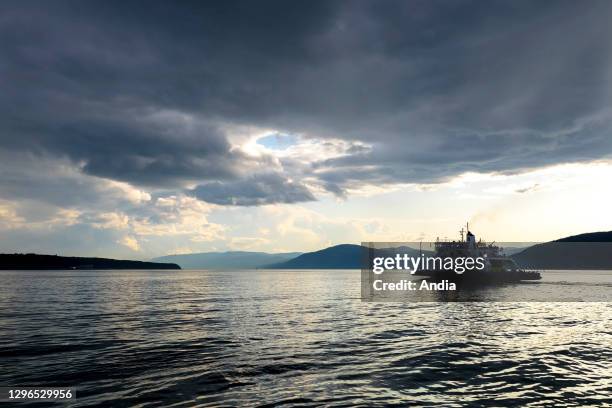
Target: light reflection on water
x,y
197,338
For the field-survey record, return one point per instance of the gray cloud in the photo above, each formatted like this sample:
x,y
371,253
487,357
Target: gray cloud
x,y
257,190
529,189
140,94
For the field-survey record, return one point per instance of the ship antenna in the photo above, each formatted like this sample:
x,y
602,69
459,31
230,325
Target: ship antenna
x,y
461,232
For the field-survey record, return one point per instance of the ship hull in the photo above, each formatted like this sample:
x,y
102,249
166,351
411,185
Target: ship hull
x,y
481,276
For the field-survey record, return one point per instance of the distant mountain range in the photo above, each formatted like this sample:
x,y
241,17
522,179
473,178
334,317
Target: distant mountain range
x,y
48,262
227,260
584,251
344,256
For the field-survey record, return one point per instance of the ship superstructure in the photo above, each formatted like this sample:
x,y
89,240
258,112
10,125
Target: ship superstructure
x,y
498,266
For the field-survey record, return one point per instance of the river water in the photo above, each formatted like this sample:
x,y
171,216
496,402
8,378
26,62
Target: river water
x,y
299,338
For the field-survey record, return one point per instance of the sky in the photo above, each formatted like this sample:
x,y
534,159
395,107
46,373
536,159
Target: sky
x,y
138,130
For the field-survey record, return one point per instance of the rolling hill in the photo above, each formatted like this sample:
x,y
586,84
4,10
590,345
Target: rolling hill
x,y
585,251
343,256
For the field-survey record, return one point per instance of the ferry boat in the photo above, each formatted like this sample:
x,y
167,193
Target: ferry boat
x,y
498,267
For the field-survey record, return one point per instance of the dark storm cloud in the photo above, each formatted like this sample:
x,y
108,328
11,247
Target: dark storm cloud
x,y
139,92
257,190
132,147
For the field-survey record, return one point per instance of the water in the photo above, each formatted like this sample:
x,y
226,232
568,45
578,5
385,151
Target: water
x,y
258,338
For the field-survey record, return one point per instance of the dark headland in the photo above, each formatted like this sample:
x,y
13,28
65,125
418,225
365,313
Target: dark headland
x,y
54,262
